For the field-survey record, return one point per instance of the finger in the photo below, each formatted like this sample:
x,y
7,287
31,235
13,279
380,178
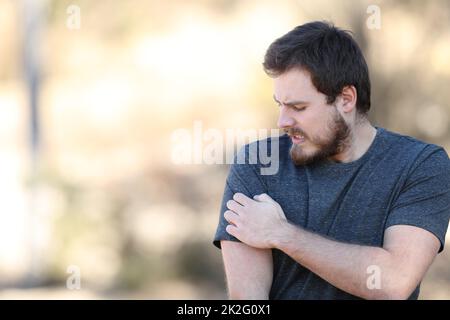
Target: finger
x,y
231,217
234,206
242,198
264,197
233,230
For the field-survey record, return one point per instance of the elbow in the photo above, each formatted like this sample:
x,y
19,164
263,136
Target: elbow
x,y
246,295
397,292
236,295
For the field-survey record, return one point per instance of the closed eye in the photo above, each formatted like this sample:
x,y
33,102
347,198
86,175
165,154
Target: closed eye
x,y
298,109
297,105
295,108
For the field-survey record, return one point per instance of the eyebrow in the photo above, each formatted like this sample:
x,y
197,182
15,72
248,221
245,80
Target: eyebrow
x,y
290,103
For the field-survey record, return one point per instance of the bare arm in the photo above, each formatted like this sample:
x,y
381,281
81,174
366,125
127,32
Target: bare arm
x,y
401,264
249,270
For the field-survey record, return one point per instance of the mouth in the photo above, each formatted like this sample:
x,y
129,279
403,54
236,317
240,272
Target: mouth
x,y
297,138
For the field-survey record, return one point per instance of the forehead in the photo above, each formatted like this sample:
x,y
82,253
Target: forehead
x,y
295,84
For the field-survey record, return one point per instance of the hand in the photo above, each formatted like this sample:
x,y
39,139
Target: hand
x,y
256,222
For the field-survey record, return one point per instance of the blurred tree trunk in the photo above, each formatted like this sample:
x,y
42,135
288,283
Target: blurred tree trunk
x,y
32,11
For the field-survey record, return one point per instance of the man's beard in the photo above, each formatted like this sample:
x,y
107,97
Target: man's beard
x,y
336,141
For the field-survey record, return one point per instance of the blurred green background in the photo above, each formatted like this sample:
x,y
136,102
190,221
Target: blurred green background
x,y
87,179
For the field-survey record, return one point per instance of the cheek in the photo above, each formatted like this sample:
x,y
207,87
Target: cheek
x,y
312,123
317,127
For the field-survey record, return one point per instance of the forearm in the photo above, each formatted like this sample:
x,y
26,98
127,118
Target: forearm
x,y
249,271
247,290
396,269
245,287
346,266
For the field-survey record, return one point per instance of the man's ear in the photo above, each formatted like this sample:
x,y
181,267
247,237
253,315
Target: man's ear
x,y
349,97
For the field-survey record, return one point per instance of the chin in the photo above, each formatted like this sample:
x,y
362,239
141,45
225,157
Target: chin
x,y
301,157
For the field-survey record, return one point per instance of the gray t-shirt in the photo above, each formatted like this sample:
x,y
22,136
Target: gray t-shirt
x,y
398,181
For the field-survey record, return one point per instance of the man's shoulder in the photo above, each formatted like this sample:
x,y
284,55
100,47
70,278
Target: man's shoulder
x,y
408,144
271,146
412,148
264,156
282,141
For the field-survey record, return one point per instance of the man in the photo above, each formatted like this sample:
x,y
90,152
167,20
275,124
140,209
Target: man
x,y
354,211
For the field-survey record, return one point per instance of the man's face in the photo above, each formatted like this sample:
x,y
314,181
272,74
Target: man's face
x,y
317,129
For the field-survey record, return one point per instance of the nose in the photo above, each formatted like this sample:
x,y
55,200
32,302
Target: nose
x,y
284,119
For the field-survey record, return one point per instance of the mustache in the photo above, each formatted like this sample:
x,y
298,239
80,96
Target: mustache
x,y
295,131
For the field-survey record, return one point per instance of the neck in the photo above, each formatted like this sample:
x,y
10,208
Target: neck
x,y
360,139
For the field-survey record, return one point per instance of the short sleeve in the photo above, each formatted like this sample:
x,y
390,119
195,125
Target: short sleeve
x,y
243,178
424,201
